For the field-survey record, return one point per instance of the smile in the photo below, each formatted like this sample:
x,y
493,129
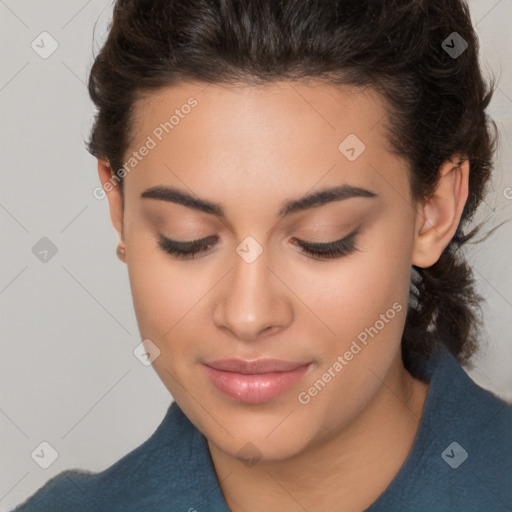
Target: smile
x,y
254,381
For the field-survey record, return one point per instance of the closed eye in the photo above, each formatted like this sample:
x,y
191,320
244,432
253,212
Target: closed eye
x,y
186,250
330,250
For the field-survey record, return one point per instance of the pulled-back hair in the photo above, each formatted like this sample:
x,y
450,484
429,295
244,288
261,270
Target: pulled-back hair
x,y
435,101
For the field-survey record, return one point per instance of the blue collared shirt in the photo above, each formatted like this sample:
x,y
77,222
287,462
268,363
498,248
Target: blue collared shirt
x,y
461,461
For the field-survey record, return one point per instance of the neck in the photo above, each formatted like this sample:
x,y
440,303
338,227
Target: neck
x,y
353,466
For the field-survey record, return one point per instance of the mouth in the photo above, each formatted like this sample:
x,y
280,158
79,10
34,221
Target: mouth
x,y
254,381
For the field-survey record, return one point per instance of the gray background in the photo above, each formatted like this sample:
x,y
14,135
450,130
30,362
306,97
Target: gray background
x,y
68,330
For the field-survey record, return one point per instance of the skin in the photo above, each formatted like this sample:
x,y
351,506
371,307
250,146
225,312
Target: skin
x,y
251,149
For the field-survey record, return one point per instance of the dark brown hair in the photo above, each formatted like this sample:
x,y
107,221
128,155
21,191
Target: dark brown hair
x,y
435,99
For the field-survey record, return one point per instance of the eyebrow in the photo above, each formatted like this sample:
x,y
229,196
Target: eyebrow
x,y
313,200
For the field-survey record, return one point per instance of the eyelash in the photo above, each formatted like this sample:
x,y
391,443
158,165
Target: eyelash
x,y
331,250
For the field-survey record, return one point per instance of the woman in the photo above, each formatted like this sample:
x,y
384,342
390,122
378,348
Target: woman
x,y
291,182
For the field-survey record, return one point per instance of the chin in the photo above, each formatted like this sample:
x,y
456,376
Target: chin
x,y
271,438
251,450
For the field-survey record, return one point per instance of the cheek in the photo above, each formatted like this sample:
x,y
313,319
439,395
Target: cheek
x,y
350,294
341,297
170,299
164,300
364,305
158,288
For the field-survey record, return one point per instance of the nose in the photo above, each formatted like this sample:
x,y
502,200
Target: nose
x,y
253,301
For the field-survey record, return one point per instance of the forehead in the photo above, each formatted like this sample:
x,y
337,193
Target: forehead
x,y
231,108
271,139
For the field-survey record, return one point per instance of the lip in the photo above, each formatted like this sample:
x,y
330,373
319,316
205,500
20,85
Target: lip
x,y
254,381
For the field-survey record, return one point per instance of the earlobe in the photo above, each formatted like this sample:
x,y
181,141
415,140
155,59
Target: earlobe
x,y
113,194
438,217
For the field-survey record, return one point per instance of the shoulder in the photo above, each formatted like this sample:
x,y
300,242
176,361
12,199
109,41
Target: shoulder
x,y
468,448
473,458
157,474
483,428
462,454
475,415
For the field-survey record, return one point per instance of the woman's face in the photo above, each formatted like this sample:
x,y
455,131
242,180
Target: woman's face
x,y
253,293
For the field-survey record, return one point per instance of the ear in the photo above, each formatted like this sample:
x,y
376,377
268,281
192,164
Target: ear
x,y
439,216
114,196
